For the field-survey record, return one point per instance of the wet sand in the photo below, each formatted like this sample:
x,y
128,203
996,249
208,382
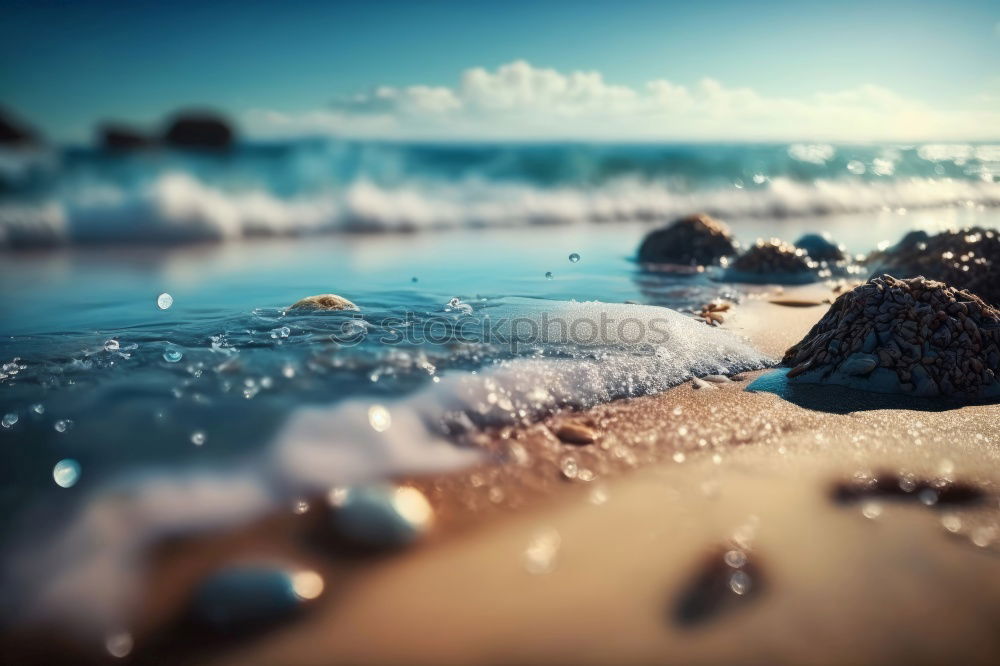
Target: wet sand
x,y
614,552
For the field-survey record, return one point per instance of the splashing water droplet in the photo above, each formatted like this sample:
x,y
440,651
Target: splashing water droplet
x,y
111,345
871,510
735,558
38,408
62,425
540,555
379,418
172,355
569,467
740,583
548,275
573,258
119,645
9,420
66,472
198,438
164,301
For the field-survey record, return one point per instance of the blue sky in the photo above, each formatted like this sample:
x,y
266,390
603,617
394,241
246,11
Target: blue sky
x,y
65,65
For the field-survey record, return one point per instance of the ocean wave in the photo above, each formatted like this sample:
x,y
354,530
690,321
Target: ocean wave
x,y
176,207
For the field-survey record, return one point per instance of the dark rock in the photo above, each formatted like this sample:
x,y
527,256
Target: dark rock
x,y
960,365
771,261
966,259
695,240
243,598
15,134
119,137
199,131
819,247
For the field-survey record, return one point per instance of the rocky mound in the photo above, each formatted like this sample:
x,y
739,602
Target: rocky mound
x,y
967,259
771,260
199,130
695,240
912,336
114,136
15,133
819,247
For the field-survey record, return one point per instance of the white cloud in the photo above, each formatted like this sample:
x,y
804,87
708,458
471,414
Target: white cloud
x,y
520,101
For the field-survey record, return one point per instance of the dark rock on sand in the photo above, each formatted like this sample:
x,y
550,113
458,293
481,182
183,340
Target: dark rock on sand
x,y
819,247
771,260
914,336
243,598
697,240
966,259
16,134
323,302
200,131
120,137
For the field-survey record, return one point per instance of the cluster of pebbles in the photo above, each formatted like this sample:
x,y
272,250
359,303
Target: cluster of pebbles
x,y
695,240
968,259
772,260
913,336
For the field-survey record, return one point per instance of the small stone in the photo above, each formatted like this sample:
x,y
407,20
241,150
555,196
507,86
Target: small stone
x,y
575,433
382,516
717,379
693,240
859,364
242,598
700,384
324,302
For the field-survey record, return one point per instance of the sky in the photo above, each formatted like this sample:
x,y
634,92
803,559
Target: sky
x,y
766,70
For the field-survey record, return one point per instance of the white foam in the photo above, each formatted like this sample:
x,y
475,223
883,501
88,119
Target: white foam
x,y
177,207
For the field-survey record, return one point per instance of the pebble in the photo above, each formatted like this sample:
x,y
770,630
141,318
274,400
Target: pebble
x,y
696,240
382,516
575,433
700,383
717,379
247,597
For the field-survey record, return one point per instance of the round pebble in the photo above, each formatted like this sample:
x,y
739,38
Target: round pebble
x,y
247,597
381,516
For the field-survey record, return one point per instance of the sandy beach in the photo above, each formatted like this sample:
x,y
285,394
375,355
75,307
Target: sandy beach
x,y
616,550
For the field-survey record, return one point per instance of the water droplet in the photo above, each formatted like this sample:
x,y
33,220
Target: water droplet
x,y
38,408
548,275
379,418
9,420
735,558
119,645
740,583
454,303
164,301
569,467
679,457
928,496
66,472
172,355
62,425
573,258
111,345
198,438
871,510
540,555
300,507
288,371
951,522
599,495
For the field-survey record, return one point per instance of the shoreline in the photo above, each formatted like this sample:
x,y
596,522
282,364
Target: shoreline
x,y
673,476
